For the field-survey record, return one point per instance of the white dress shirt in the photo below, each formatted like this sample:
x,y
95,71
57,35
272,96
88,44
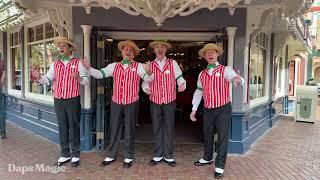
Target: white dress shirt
x,y
229,74
176,69
108,72
49,77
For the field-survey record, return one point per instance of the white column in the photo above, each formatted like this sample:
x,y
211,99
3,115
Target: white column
x,y
231,31
1,45
86,53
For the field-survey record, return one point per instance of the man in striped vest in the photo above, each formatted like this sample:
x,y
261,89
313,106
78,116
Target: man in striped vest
x,y
67,73
213,85
124,106
162,95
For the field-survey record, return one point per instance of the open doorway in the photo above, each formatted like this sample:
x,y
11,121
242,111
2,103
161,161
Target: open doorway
x,y
185,52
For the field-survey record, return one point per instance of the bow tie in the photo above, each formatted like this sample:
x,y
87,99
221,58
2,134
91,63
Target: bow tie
x,y
211,66
126,61
65,58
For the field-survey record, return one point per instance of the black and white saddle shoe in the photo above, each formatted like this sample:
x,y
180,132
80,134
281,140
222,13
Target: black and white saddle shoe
x,y
218,175
106,163
198,163
127,164
61,163
75,163
154,163
171,163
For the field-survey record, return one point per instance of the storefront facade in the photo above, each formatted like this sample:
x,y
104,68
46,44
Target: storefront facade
x,y
253,35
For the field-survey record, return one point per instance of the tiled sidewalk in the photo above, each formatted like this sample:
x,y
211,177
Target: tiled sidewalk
x,y
287,151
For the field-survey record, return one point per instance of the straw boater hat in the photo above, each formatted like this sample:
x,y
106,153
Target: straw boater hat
x,y
163,42
210,46
130,43
61,39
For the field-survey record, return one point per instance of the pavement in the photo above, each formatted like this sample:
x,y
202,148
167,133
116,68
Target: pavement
x,y
290,150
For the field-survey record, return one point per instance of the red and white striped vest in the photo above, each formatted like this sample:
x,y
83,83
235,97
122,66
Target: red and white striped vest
x,y
125,84
65,86
163,87
215,88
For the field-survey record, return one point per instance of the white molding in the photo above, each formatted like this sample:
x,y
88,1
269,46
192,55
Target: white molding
x,y
278,95
9,63
258,101
37,21
39,97
268,78
160,11
1,45
14,30
14,92
40,41
26,59
173,36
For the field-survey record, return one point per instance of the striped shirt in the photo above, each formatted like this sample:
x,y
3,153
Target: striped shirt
x,y
50,76
126,80
65,85
215,88
163,87
125,84
228,75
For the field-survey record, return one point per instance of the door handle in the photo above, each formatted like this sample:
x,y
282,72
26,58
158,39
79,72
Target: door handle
x,y
100,90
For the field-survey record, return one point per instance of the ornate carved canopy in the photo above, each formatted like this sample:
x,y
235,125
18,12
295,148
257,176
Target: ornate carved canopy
x,y
160,10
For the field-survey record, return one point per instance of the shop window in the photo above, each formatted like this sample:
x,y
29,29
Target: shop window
x,y
30,34
41,54
15,39
39,32
258,56
49,31
14,46
16,68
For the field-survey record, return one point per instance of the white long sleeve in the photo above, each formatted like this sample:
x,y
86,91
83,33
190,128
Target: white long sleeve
x,y
102,73
108,72
50,76
143,74
43,80
145,86
229,74
83,74
178,74
197,96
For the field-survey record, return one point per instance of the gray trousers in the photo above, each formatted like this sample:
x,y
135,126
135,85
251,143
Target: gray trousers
x,y
68,115
2,117
218,119
163,117
122,115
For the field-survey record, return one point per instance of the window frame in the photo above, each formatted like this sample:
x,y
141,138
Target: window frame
x,y
266,47
9,71
47,99
280,90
